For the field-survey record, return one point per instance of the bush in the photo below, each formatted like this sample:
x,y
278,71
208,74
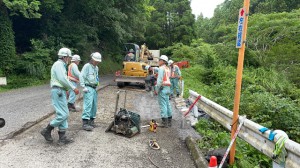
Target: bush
x,y
36,63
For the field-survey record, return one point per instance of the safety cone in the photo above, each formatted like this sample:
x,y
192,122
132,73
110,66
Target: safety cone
x,y
213,162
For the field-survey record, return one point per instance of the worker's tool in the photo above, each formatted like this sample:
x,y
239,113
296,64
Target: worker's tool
x,y
2,122
153,126
125,122
153,144
186,113
232,140
183,121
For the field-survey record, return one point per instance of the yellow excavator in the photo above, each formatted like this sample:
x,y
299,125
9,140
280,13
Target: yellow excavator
x,y
134,64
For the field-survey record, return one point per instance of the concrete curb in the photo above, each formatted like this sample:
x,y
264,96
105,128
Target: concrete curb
x,y
197,155
32,123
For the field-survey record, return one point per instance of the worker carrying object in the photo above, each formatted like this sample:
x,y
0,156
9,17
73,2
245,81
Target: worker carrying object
x,y
162,88
59,85
129,56
174,78
89,80
73,75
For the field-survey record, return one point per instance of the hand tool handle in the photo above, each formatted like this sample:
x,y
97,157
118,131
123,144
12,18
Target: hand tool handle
x,y
192,105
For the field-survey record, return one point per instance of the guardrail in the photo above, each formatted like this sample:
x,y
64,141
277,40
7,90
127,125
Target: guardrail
x,y
249,132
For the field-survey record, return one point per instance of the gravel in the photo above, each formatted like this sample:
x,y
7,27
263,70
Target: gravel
x,y
100,149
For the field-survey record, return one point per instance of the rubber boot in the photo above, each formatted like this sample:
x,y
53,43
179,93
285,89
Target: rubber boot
x,y
46,132
170,121
63,138
164,123
92,123
71,107
86,126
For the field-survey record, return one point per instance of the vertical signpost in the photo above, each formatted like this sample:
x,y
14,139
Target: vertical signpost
x,y
240,43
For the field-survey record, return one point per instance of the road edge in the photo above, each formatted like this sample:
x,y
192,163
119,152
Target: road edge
x,y
197,155
33,123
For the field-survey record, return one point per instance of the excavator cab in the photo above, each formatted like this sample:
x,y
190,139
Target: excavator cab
x,y
136,51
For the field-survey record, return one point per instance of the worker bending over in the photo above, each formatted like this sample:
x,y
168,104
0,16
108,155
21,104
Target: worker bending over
x,y
59,85
162,88
89,80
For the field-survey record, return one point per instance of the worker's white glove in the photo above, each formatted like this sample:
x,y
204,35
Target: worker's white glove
x,y
85,90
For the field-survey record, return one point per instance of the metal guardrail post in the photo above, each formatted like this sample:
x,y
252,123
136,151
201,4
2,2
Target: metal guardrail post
x,y
250,132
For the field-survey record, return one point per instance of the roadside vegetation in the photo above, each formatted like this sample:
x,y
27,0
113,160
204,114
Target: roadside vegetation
x,y
270,88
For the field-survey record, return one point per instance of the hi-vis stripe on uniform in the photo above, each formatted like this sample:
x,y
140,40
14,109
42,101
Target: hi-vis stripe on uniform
x,y
70,76
173,71
166,78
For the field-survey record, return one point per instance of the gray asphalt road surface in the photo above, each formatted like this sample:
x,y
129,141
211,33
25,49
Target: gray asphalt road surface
x,y
22,107
100,149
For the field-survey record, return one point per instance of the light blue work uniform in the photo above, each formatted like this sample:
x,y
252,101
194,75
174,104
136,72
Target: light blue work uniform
x,y
89,79
73,68
60,84
174,78
163,92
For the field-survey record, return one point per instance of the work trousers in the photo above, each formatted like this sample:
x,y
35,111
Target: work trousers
x,y
90,100
72,95
59,102
174,85
164,103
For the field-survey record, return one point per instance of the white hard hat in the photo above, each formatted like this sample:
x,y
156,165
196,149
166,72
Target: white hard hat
x,y
76,58
164,57
64,52
170,62
96,56
147,67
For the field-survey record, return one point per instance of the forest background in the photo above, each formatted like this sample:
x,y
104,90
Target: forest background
x,y
32,31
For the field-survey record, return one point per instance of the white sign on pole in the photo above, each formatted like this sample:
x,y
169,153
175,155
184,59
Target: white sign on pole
x,y
3,81
240,28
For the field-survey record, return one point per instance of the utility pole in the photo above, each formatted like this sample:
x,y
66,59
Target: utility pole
x,y
241,39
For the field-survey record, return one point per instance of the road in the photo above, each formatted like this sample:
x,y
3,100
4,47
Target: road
x,y
23,107
100,149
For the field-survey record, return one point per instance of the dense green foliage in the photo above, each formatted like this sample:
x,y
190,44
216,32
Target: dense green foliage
x,y
268,97
7,43
40,28
214,137
171,21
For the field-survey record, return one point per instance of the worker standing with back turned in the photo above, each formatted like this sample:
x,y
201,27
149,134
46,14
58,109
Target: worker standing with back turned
x,y
89,80
174,78
60,84
162,88
73,75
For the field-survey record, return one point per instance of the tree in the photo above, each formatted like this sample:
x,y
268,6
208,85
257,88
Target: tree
x,y
171,22
29,9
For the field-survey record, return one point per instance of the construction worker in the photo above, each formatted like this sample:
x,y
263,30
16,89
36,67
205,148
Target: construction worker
x,y
60,84
73,75
162,88
151,78
129,56
174,78
89,80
